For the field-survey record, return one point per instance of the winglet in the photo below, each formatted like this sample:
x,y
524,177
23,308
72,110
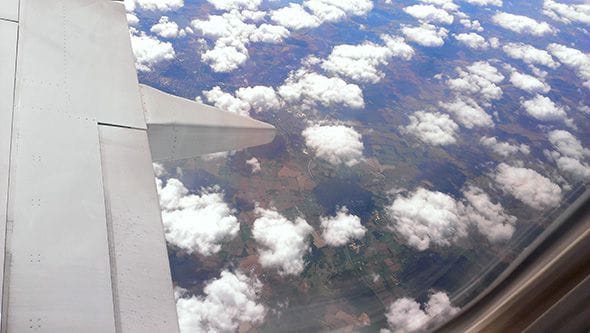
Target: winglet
x,y
179,128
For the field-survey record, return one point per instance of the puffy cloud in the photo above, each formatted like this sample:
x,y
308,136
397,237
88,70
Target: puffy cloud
x,y
569,154
479,78
165,28
426,35
485,2
468,113
295,16
405,315
196,222
227,101
160,5
504,149
235,4
522,24
361,62
472,40
254,163
229,300
567,13
335,143
132,19
314,89
336,10
528,186
448,5
528,83
149,51
260,98
427,217
429,13
257,99
232,35
490,219
544,109
436,129
530,54
284,243
575,59
342,228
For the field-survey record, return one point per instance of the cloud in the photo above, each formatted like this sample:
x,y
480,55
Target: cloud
x,y
569,154
575,59
405,315
490,219
468,113
254,163
196,222
284,243
341,229
235,4
448,5
529,54
149,51
296,16
362,62
232,36
335,143
528,83
426,35
315,89
472,40
479,78
436,129
503,149
485,2
429,13
257,99
165,28
427,217
522,24
160,5
229,300
528,186
567,13
544,109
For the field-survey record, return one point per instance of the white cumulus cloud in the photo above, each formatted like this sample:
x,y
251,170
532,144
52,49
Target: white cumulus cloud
x,y
543,108
479,78
429,13
341,229
229,300
502,148
246,99
235,4
490,218
284,243
362,62
149,51
159,5
468,113
569,154
196,222
528,186
406,315
165,28
472,40
315,89
335,143
573,58
522,24
528,83
426,35
567,13
530,54
254,163
436,129
485,2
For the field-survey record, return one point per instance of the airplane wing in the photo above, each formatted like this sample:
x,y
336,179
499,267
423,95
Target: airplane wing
x,y
83,248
